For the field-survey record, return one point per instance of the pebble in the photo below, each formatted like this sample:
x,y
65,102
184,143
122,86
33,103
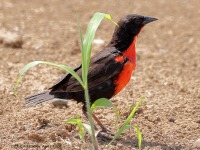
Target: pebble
x,y
60,103
9,39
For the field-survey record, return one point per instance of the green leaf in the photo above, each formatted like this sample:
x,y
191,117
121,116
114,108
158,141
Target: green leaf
x,y
139,136
78,122
81,130
80,33
71,121
22,72
86,53
116,116
102,102
81,39
34,63
127,122
87,43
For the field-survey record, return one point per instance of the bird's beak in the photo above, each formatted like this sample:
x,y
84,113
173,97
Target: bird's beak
x,y
148,20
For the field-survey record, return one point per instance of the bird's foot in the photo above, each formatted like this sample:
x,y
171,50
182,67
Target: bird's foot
x,y
103,137
105,130
110,135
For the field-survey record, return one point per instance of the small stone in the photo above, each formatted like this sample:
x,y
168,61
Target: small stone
x,y
60,103
9,39
171,120
158,119
197,143
26,127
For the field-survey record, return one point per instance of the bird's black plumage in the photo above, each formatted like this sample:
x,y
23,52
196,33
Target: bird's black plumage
x,y
101,76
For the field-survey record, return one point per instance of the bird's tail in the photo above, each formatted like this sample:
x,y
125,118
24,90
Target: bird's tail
x,y
38,98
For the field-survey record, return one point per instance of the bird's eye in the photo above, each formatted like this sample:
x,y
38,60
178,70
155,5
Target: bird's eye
x,y
138,21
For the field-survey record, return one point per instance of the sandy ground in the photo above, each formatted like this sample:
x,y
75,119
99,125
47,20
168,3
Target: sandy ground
x,y
167,73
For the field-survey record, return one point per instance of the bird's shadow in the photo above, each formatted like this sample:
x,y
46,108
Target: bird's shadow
x,y
133,143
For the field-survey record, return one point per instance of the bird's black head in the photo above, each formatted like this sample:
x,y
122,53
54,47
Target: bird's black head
x,y
133,23
128,27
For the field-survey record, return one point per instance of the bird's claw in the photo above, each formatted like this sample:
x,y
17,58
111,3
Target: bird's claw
x,y
105,130
103,137
106,138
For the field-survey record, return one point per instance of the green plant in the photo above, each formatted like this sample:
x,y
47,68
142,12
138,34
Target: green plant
x,y
86,47
102,102
77,121
127,125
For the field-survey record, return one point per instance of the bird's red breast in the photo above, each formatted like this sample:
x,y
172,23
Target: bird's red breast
x,y
125,75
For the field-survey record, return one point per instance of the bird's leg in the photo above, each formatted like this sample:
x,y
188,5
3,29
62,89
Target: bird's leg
x,y
86,115
98,133
103,128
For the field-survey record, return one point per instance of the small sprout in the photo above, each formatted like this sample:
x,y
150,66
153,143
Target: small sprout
x,y
139,136
127,122
77,121
116,115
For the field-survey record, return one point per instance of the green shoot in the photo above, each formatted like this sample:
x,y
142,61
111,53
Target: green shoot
x,y
127,122
87,42
139,136
86,53
86,46
103,102
78,122
116,115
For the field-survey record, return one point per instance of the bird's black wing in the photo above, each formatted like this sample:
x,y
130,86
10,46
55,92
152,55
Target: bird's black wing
x,y
103,67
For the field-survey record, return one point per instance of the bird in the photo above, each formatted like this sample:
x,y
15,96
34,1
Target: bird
x,y
109,71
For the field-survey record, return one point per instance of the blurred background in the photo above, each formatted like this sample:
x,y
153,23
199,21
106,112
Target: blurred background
x,y
167,74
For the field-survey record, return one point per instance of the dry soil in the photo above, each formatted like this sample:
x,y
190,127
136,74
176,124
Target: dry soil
x,y
167,74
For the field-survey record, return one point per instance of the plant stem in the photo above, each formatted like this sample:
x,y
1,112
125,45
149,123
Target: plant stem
x,y
87,99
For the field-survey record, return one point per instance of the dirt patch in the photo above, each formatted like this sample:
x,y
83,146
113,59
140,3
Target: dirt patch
x,y
167,73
